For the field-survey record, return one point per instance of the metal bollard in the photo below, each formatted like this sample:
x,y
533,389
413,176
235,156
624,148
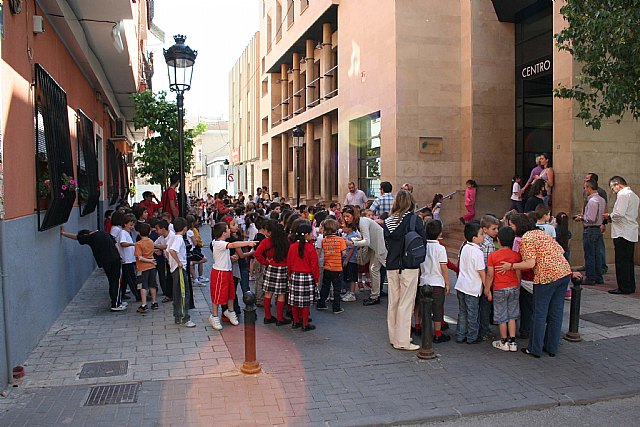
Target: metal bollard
x,y
574,315
250,365
426,304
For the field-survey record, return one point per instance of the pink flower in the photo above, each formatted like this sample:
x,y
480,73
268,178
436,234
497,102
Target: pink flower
x,y
46,182
64,187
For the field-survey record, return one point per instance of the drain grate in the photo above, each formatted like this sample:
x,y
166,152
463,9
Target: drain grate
x,y
113,394
609,319
104,369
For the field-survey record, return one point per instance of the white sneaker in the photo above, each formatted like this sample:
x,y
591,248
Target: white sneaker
x,y
189,324
513,346
119,308
231,315
410,347
203,279
214,321
501,345
348,297
124,304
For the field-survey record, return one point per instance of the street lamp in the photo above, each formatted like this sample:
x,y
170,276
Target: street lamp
x,y
180,59
225,164
298,142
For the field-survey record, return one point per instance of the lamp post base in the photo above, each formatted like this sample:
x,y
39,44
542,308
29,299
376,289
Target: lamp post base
x,y
573,337
251,368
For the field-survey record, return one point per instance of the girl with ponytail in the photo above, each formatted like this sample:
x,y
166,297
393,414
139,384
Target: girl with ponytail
x,y
304,272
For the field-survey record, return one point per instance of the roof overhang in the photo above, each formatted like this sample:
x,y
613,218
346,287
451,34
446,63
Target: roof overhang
x,y
114,74
515,10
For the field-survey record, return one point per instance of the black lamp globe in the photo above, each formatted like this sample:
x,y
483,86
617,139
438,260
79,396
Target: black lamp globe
x,y
180,59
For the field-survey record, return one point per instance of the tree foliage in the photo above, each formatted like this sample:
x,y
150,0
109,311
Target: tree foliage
x,y
604,37
158,155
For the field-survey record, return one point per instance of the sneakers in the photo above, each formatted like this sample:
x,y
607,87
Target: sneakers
x,y
501,345
348,297
189,324
513,346
142,309
214,321
202,279
338,310
231,315
154,306
119,308
371,301
321,307
410,347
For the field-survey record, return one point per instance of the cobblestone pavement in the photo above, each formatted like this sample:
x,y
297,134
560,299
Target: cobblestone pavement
x,y
343,373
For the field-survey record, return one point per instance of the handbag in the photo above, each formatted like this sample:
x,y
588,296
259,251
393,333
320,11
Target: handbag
x,y
364,255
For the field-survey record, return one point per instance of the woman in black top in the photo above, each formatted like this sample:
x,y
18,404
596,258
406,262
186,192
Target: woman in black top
x,y
537,198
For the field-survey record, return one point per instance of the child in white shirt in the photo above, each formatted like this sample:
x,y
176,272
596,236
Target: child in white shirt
x,y
177,265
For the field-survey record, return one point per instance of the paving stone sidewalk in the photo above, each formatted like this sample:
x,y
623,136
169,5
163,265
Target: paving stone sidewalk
x,y
343,373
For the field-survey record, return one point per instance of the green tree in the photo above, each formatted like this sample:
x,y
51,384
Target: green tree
x,y
158,155
604,37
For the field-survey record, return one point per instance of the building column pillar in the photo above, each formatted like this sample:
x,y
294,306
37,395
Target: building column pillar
x,y
325,61
296,85
284,90
312,165
310,94
285,164
325,159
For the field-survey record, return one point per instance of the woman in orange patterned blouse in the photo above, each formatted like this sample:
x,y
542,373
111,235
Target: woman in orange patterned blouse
x,y
552,275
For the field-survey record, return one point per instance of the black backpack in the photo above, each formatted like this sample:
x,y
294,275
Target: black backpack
x,y
414,250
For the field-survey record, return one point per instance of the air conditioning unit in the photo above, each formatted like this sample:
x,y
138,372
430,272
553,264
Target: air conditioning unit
x,y
120,128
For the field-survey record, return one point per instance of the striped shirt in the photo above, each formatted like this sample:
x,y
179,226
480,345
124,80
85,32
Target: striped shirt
x,y
394,221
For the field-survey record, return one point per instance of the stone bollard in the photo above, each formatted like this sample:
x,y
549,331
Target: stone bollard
x,y
250,365
574,315
426,304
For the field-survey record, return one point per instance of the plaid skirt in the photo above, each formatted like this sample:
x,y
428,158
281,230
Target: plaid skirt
x,y
275,280
302,290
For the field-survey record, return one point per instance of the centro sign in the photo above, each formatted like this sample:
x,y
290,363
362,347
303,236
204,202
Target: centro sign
x,y
532,70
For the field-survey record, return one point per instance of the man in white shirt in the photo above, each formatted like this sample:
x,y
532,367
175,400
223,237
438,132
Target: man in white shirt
x,y
355,197
624,231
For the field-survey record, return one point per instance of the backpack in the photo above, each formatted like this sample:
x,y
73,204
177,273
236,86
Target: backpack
x,y
363,256
414,250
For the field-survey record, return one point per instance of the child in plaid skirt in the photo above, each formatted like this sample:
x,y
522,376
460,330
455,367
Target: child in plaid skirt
x,y
272,253
304,272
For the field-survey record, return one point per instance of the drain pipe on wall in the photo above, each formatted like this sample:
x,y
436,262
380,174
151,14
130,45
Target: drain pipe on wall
x,y
3,274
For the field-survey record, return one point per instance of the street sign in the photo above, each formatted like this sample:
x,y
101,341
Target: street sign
x,y
230,177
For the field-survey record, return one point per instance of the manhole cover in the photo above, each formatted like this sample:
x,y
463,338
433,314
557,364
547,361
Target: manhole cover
x,y
609,319
113,394
104,369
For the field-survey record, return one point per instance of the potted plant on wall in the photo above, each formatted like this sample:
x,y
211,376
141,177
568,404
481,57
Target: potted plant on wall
x,y
44,191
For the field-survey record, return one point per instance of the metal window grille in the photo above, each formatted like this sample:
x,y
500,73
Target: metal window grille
x,y
88,188
114,173
53,150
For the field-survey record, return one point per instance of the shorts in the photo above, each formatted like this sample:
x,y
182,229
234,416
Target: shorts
x,y
148,279
196,254
350,272
437,308
506,305
222,287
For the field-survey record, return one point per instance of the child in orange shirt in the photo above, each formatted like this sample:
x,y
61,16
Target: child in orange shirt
x,y
146,265
333,247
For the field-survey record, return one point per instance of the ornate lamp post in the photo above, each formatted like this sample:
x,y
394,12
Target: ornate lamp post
x,y
298,142
225,164
180,59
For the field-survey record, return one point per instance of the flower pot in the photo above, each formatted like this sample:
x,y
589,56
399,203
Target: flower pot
x,y
43,203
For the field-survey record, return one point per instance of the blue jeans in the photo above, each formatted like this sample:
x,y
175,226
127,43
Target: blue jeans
x,y
468,321
244,280
603,255
591,242
548,306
